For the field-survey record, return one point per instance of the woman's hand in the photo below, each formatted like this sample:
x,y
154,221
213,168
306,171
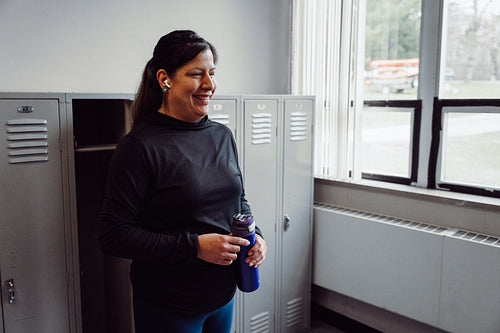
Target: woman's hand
x,y
220,249
257,253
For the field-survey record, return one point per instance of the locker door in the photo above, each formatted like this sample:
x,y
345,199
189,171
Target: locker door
x,y
296,227
32,239
260,171
224,111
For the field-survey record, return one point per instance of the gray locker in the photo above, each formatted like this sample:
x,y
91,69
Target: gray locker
x,y
260,164
295,258
274,138
33,244
277,150
223,110
96,122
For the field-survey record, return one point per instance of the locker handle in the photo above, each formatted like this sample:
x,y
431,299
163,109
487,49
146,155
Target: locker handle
x,y
11,290
286,224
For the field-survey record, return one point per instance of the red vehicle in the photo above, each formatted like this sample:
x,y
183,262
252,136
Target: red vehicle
x,y
396,74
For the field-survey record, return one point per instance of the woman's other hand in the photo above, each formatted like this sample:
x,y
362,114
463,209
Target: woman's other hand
x,y
220,249
257,253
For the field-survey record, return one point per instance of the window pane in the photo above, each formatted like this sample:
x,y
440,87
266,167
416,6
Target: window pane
x,y
472,51
471,149
391,49
385,142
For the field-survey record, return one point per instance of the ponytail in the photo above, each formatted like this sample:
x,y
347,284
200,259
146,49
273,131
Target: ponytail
x,y
149,95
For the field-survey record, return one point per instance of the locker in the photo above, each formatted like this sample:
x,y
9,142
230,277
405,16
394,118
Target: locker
x,y
223,110
96,124
33,244
295,272
260,164
277,150
274,137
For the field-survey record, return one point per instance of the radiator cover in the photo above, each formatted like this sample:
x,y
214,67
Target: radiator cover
x,y
447,278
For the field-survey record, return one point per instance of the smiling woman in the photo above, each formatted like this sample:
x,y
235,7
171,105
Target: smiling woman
x,y
172,190
181,56
189,91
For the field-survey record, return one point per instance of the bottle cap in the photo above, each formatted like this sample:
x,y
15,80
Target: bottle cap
x,y
243,222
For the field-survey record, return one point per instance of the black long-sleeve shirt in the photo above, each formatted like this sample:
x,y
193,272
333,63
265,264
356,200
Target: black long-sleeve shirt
x,y
170,181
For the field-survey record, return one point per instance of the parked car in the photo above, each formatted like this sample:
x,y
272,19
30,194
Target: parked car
x,y
397,74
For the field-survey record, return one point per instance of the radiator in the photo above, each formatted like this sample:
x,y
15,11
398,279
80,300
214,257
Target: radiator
x,y
448,278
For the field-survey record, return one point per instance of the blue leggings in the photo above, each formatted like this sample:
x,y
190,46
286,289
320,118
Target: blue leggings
x,y
150,318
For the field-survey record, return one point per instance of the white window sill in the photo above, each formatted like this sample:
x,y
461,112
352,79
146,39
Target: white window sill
x,y
458,199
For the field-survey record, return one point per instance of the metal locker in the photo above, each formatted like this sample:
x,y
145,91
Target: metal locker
x,y
260,154
104,296
295,265
223,110
33,268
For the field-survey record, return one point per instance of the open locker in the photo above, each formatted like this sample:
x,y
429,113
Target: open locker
x,y
98,122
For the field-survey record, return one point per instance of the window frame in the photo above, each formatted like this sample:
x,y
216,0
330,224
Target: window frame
x,y
416,105
435,161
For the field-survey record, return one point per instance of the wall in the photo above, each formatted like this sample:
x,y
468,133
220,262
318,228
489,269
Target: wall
x,y
102,46
448,209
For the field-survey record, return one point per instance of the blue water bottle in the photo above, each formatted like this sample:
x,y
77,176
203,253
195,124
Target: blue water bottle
x,y
248,277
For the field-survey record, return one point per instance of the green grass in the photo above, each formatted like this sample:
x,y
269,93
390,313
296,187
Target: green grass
x,y
455,89
474,159
472,90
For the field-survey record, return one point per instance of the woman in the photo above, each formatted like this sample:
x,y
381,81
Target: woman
x,y
174,185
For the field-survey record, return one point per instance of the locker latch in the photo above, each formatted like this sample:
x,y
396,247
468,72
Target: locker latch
x,y
11,290
286,224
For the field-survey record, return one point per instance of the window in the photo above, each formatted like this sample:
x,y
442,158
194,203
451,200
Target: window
x,y
389,140
471,50
391,51
401,97
471,143
468,110
390,38
470,147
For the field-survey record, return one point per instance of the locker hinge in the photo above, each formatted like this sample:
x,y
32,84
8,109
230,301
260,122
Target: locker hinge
x,y
60,145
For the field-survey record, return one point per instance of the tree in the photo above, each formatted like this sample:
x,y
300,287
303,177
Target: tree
x,y
472,46
392,29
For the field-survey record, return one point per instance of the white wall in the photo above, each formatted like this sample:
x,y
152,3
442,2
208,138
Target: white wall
x,y
103,45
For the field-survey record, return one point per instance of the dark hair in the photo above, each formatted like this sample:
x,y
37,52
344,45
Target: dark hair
x,y
172,51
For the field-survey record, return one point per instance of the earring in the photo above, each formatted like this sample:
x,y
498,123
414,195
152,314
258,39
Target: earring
x,y
166,87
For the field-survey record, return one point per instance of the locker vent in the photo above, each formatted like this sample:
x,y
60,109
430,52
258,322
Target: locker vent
x,y
261,128
298,126
220,118
260,323
27,140
294,312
